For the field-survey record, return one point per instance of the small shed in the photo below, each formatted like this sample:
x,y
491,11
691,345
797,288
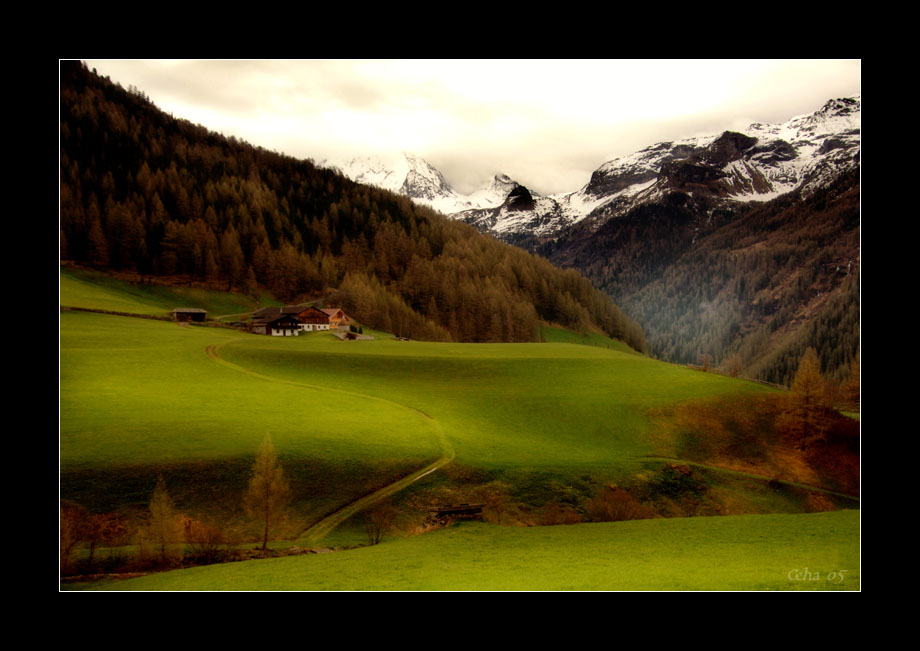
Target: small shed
x,y
451,512
189,314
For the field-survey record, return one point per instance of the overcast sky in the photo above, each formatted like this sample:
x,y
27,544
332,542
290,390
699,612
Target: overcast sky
x,y
546,123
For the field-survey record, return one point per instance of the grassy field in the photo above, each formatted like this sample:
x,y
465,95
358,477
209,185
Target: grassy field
x,y
544,422
146,391
141,398
83,288
768,552
559,335
502,405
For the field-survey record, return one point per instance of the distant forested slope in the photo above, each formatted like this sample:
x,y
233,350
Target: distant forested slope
x,y
748,286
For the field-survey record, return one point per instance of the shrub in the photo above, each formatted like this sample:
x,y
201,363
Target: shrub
x,y
615,504
206,542
556,513
676,481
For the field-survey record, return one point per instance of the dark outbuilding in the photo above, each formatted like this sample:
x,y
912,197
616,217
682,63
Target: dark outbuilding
x,y
452,512
189,314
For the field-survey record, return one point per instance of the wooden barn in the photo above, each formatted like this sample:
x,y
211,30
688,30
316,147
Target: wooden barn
x,y
275,322
312,318
309,318
189,314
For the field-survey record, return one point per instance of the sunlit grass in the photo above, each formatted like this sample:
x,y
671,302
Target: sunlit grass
x,y
146,391
768,552
502,405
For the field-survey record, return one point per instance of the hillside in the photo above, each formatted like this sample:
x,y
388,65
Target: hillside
x,y
145,192
758,281
741,249
541,434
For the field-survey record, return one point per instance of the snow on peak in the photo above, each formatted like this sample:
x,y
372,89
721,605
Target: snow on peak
x,y
414,177
761,163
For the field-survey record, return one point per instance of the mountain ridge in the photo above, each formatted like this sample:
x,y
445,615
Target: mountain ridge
x,y
414,177
760,163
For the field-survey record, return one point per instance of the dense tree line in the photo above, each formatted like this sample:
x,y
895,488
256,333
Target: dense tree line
x,y
145,192
757,284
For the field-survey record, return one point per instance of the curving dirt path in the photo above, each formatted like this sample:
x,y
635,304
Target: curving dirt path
x,y
321,529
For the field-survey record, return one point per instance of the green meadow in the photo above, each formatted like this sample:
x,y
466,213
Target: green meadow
x,y
142,397
83,288
818,551
502,406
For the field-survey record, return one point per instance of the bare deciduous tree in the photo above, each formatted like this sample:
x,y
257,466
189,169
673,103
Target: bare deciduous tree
x,y
733,365
378,520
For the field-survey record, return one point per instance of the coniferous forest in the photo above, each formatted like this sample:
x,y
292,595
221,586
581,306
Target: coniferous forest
x,y
144,192
748,286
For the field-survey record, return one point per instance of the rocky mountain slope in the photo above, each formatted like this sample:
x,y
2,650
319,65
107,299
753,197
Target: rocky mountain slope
x,y
758,164
742,248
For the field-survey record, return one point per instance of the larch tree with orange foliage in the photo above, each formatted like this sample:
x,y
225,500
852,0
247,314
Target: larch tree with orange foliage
x,y
850,389
269,492
804,416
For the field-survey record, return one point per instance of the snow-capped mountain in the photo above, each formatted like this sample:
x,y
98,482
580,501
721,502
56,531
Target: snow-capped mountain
x,y
757,164
417,179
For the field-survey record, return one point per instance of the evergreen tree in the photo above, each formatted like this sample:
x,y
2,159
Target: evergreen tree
x,y
250,285
231,257
98,248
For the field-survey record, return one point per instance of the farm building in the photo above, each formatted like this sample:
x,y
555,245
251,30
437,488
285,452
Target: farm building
x,y
452,512
312,318
337,318
189,314
274,321
309,318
